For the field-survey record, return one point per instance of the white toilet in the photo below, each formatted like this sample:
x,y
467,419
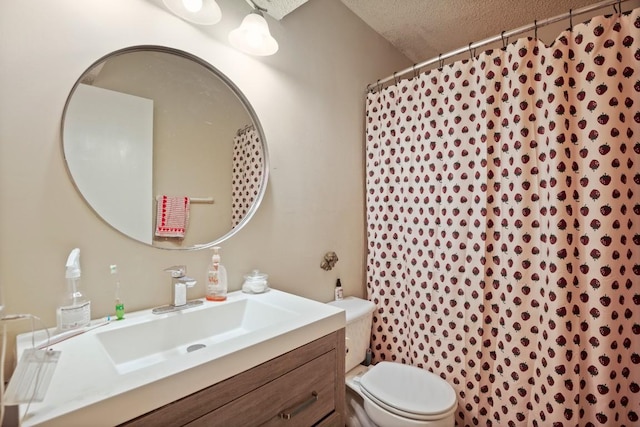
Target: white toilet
x,y
389,394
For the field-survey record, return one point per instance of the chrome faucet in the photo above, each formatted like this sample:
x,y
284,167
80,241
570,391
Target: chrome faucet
x,y
179,284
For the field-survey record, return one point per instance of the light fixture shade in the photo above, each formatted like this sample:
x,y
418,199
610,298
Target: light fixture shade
x,y
201,12
253,36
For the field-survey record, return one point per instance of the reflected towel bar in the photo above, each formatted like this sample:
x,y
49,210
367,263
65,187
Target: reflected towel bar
x,y
195,199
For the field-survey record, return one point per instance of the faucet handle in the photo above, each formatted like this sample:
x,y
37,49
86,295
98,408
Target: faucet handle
x,y
177,271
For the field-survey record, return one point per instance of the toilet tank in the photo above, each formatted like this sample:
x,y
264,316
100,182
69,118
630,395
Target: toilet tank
x,y
359,314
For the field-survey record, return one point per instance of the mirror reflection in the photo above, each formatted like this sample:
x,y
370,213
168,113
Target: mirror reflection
x,y
164,148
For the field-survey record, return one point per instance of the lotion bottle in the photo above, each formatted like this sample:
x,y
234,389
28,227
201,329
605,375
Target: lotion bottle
x,y
216,278
75,310
338,291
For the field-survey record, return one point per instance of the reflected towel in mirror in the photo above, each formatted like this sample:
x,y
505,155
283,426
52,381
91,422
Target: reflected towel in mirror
x,y
172,216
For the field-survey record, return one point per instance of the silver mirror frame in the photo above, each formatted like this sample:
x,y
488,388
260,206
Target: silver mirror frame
x,y
245,102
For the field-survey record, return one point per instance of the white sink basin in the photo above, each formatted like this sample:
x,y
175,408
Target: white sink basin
x,y
126,368
175,334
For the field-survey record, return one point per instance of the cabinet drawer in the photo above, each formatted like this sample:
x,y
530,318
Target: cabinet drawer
x,y
292,393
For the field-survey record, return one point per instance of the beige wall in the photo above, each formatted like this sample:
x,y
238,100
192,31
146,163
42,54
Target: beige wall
x,y
310,101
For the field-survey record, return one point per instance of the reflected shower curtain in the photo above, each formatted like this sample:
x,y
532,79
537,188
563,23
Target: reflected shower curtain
x,y
503,222
247,172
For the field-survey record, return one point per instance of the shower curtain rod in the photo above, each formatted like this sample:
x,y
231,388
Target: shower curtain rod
x,y
505,35
243,130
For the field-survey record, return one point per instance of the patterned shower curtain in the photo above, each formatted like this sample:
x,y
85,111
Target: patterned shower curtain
x,y
247,172
503,222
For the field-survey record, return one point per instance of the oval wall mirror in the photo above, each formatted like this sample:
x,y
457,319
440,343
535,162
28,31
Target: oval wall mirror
x,y
164,148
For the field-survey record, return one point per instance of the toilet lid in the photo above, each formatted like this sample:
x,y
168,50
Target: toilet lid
x,y
405,389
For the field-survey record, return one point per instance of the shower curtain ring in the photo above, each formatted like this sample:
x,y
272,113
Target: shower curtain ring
x,y
618,10
571,20
504,43
415,71
440,62
395,78
535,31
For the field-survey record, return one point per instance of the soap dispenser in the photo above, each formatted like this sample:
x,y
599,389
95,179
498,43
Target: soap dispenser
x,y
75,310
216,278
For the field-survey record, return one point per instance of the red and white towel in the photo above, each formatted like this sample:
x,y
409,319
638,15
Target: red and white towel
x,y
172,216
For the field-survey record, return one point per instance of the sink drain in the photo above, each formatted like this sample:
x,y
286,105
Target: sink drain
x,y
195,347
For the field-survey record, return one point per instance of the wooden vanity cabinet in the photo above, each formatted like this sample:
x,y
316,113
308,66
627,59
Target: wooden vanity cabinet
x,y
304,387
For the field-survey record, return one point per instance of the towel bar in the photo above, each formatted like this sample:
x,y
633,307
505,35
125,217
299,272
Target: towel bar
x,y
196,199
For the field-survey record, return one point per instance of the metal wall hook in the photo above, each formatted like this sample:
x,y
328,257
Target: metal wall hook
x,y
329,261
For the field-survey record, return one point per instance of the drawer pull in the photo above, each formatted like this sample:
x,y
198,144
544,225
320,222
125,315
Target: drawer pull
x,y
289,413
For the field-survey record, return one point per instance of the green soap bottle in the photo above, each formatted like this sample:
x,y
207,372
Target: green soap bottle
x,y
119,303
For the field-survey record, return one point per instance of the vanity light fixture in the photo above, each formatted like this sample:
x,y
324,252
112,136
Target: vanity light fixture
x,y
253,36
201,12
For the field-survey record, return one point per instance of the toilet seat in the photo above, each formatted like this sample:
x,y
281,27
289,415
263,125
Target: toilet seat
x,y
408,391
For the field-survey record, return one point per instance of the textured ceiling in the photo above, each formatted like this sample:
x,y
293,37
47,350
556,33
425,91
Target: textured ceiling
x,y
422,29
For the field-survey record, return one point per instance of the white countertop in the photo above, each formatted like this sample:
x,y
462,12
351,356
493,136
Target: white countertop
x,y
87,390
